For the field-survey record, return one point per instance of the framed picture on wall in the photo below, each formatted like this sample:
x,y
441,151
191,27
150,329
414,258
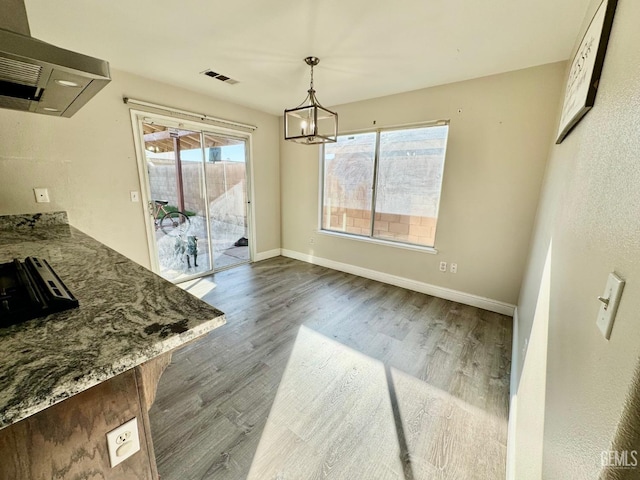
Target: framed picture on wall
x,y
586,67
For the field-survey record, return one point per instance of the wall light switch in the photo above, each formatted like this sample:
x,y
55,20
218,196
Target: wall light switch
x,y
609,302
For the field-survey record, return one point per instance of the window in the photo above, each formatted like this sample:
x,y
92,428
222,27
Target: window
x,y
385,184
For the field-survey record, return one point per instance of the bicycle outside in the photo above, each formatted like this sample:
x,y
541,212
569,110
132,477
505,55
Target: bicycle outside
x,y
173,223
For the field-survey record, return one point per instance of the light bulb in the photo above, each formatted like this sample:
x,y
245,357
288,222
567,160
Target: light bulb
x,y
307,128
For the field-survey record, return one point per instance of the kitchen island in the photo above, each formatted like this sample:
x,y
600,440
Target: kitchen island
x,y
70,377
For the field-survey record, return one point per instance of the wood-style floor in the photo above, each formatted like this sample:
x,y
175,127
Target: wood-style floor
x,y
382,380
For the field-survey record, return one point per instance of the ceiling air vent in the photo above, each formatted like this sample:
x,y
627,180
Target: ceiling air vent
x,y
219,76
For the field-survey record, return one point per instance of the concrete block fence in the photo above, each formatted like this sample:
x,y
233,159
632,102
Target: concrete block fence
x,y
223,179
420,230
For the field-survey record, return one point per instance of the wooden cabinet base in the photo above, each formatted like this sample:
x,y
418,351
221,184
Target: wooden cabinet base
x,y
68,440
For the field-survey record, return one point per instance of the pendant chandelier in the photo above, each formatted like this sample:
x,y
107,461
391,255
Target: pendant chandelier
x,y
310,123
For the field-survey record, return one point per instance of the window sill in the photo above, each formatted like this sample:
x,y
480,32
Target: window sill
x,y
377,241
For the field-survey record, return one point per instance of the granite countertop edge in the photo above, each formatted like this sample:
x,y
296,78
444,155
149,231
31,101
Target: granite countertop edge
x,y
128,315
93,378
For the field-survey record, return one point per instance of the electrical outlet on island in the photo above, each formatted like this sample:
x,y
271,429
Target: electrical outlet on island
x,y
123,442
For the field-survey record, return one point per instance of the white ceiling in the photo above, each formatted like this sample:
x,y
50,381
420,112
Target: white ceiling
x,y
367,48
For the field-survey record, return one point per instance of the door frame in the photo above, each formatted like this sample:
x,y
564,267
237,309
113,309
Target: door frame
x,y
140,116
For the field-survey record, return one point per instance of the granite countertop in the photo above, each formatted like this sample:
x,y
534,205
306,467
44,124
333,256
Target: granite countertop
x,y
127,315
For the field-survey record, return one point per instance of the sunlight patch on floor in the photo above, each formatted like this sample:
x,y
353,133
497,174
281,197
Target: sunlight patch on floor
x,y
198,287
333,413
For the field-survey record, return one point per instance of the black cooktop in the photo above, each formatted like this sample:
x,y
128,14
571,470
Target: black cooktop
x,y
31,289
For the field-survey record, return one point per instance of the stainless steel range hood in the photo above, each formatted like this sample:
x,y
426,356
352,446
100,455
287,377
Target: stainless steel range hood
x,y
39,77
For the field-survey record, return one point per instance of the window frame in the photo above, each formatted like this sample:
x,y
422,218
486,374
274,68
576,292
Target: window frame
x,y
374,187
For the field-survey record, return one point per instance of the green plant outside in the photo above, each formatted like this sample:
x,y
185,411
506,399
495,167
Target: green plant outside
x,y
171,209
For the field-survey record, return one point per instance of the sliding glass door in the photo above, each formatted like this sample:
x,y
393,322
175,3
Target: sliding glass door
x,y
196,194
227,198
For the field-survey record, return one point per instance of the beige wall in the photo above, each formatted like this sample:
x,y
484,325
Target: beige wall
x,y
590,212
88,163
500,132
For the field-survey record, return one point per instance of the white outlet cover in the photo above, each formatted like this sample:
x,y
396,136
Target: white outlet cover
x,y
42,195
123,441
607,313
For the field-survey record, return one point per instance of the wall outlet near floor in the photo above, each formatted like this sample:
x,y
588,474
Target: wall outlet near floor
x,y
42,195
443,266
453,268
123,442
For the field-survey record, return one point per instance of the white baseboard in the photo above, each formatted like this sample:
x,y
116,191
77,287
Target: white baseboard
x,y
259,256
514,381
446,293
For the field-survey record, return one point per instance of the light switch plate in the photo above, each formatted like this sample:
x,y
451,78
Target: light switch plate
x,y
609,304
